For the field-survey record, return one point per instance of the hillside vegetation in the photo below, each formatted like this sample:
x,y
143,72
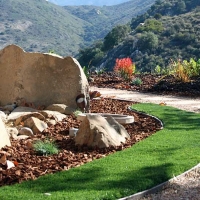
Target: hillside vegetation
x,y
87,2
103,19
41,26
169,30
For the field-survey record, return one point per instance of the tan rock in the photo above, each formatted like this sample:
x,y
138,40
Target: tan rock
x,y
26,131
26,116
19,112
95,130
57,107
51,122
42,79
4,137
22,137
61,108
53,115
35,124
117,126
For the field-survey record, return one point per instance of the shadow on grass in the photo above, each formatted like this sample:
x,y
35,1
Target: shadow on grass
x,y
173,118
115,179
89,179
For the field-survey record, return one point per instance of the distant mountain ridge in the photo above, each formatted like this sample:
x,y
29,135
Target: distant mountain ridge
x,y
41,26
87,2
103,19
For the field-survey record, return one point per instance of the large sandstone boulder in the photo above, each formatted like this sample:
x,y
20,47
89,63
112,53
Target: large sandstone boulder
x,y
96,131
4,137
42,79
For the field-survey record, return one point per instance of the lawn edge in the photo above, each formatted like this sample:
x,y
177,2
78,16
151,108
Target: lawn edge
x,y
157,188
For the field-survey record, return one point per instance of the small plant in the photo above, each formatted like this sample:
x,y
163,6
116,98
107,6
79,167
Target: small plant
x,y
86,71
76,112
125,67
137,81
184,70
158,69
51,51
46,147
99,71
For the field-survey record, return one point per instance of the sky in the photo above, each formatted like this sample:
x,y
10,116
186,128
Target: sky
x,y
87,2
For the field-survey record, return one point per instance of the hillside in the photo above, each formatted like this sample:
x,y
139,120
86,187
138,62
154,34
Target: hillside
x,y
170,30
106,17
87,2
41,26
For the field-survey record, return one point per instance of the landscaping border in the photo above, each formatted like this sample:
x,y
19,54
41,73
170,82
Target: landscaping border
x,y
140,112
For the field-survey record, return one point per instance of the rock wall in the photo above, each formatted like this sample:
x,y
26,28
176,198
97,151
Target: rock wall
x,y
42,79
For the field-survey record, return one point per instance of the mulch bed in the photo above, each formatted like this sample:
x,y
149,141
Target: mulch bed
x,y
160,84
29,165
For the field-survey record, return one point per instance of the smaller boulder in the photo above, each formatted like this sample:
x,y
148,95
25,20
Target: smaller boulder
x,y
35,124
22,137
53,115
25,131
96,131
61,108
57,107
51,122
20,111
23,118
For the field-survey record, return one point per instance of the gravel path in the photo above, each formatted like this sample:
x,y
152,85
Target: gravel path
x,y
185,186
183,103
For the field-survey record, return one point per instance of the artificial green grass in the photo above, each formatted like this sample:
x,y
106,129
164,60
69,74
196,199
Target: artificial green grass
x,y
152,161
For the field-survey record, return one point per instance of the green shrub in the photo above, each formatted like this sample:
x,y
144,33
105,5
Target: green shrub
x,y
158,69
150,25
86,71
76,112
137,81
184,70
100,71
46,147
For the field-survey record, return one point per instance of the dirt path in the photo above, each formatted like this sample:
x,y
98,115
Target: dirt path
x,y
183,103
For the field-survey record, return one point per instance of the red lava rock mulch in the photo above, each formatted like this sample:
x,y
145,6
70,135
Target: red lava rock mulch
x,y
28,165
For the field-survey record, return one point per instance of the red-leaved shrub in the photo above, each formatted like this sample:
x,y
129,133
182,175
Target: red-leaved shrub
x,y
125,67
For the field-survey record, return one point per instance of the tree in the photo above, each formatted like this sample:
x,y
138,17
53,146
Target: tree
x,y
152,25
91,55
180,6
148,41
157,16
115,36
